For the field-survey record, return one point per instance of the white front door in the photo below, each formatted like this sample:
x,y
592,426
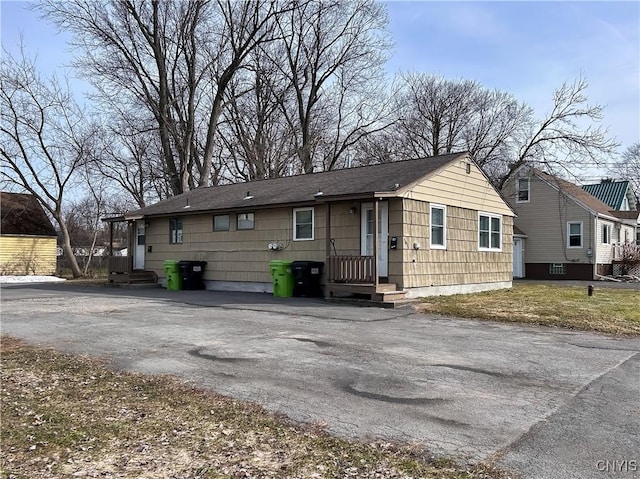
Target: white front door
x,y
138,254
383,235
517,258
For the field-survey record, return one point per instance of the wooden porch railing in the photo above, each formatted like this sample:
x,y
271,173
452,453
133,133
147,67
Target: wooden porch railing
x,y
119,264
350,269
625,250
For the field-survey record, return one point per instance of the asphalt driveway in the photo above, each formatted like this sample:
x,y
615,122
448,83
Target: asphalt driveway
x,y
547,403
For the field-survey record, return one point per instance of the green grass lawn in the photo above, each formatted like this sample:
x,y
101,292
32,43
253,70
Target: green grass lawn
x,y
67,416
612,311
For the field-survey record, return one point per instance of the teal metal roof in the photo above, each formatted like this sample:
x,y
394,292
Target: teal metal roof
x,y
611,193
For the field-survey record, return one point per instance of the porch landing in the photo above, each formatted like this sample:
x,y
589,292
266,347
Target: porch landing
x,y
383,293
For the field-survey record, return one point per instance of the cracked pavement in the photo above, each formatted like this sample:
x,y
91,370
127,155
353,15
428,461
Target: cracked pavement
x,y
543,402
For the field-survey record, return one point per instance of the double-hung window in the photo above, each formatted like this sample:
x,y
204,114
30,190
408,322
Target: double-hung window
x,y
574,234
303,227
438,219
489,232
523,189
175,231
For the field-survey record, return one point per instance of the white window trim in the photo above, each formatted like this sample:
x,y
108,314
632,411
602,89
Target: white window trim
x,y
606,227
444,227
569,223
490,215
518,200
313,224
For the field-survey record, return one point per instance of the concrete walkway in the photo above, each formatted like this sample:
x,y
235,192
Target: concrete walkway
x,y
545,402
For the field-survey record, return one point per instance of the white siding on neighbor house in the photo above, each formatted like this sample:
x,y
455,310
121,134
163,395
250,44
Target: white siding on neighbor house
x,y
604,250
544,220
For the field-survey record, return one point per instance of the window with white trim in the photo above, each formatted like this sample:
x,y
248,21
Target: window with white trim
x,y
303,224
438,220
606,234
246,221
175,231
523,187
574,234
489,232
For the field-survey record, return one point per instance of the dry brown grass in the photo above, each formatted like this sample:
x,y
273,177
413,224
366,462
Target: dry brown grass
x,y
611,311
66,416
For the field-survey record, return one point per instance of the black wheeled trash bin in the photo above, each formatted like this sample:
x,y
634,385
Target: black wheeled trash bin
x,y
306,278
192,274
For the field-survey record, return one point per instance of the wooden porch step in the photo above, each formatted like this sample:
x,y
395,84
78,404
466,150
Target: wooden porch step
x,y
390,295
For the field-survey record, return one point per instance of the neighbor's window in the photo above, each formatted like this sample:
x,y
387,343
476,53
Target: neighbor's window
x,y
303,224
523,190
221,223
246,221
438,220
606,234
490,232
574,234
175,231
557,268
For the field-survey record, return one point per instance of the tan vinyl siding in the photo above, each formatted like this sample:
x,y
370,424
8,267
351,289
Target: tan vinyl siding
x,y
244,255
27,255
454,187
461,262
544,221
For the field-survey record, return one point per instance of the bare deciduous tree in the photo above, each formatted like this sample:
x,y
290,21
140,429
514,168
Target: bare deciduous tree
x,y
170,62
628,167
331,52
566,138
44,138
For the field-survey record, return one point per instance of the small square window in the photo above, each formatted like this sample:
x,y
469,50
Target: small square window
x,y
303,224
221,223
246,221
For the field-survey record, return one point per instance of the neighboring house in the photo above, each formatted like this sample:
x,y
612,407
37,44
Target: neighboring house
x,y
566,233
620,197
28,240
421,227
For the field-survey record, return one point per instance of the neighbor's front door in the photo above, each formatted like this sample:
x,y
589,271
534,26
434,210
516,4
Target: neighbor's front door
x,y
517,258
138,254
383,235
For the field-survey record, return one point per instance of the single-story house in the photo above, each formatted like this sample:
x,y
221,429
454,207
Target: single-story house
x,y
420,227
28,240
564,231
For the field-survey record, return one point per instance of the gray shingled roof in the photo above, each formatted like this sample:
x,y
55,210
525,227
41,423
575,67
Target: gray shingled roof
x,y
590,201
360,181
23,215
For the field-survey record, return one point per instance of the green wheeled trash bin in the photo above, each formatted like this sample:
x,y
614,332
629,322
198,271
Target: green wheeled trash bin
x,y
172,273
282,278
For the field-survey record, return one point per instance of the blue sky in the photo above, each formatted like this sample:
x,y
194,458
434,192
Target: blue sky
x,y
526,48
